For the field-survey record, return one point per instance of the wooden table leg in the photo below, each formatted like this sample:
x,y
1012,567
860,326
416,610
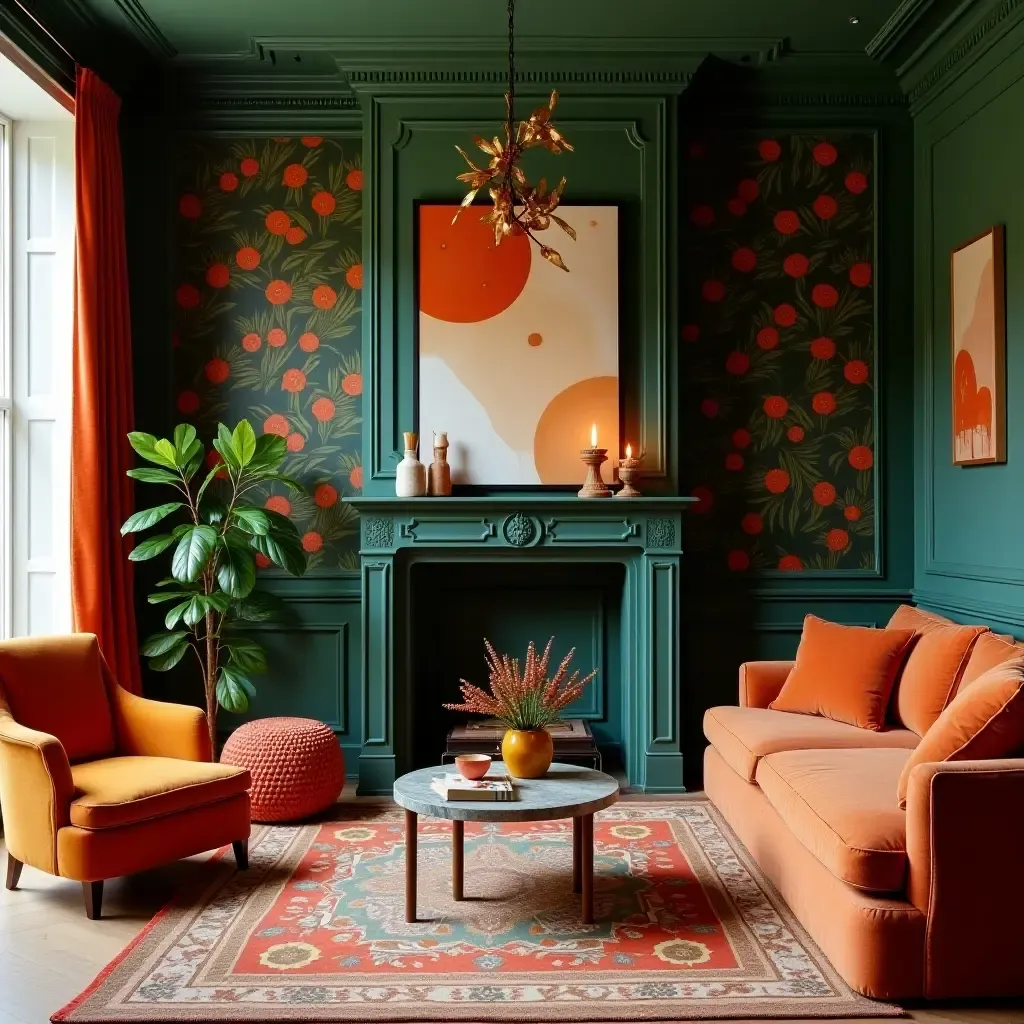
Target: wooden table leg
x,y
577,847
458,870
410,867
587,866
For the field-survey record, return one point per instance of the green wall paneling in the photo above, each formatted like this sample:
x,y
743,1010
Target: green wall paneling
x,y
970,552
625,144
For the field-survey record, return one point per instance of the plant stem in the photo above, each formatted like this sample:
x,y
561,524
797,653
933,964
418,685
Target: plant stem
x,y
211,684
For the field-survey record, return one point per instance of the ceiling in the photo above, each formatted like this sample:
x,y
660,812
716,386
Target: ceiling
x,y
208,27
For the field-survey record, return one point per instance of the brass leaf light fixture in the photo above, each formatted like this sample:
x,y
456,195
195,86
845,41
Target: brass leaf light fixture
x,y
518,205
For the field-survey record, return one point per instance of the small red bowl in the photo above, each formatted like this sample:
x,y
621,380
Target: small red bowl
x,y
472,766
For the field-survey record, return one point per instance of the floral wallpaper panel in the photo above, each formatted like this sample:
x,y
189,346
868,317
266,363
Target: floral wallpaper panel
x,y
778,352
268,304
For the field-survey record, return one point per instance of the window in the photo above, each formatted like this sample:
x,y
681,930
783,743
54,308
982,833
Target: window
x,y
36,284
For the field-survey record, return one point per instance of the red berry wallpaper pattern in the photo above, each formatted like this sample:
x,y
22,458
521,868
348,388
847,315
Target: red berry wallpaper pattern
x,y
267,301
778,353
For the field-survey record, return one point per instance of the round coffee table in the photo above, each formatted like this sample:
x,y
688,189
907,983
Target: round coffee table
x,y
565,792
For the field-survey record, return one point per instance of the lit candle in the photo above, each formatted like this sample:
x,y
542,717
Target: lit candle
x,y
629,451
593,436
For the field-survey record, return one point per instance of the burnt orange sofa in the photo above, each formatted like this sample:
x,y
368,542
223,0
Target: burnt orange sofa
x,y
925,902
96,782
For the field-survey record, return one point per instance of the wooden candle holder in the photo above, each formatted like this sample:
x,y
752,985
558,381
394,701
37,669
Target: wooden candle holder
x,y
594,486
629,473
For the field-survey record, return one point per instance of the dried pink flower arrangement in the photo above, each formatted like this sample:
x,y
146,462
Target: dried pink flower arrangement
x,y
528,701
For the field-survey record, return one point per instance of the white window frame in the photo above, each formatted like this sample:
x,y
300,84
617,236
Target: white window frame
x,y
6,403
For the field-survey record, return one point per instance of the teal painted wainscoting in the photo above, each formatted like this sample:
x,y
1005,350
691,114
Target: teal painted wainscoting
x,y
968,155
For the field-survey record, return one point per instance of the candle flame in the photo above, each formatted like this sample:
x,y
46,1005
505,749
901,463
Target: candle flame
x,y
593,436
629,451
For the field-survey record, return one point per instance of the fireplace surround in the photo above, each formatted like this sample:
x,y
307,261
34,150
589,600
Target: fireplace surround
x,y
641,535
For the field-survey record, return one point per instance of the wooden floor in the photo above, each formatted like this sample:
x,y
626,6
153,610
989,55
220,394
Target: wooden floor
x,y
49,951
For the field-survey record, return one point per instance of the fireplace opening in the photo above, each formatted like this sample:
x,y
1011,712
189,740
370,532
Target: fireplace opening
x,y
455,605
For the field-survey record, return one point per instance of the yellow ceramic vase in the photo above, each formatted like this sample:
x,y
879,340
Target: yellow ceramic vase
x,y
527,755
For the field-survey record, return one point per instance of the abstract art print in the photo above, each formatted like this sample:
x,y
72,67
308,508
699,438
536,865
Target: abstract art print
x,y
518,360
978,329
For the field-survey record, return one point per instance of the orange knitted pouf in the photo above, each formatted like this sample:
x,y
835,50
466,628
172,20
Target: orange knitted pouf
x,y
296,765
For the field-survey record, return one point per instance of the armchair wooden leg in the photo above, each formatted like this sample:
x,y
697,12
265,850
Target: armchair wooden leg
x,y
241,848
14,867
93,893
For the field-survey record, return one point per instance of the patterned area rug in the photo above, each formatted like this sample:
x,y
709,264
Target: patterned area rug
x,y
687,928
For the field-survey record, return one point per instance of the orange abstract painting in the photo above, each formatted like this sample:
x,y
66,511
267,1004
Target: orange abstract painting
x,y
517,359
977,326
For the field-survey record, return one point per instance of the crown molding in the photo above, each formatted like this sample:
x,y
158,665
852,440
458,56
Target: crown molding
x,y
896,28
968,49
145,30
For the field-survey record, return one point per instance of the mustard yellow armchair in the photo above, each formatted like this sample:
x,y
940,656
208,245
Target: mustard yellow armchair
x,y
96,782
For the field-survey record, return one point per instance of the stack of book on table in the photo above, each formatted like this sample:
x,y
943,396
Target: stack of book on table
x,y
455,787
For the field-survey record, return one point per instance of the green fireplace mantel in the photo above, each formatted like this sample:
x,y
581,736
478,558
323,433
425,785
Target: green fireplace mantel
x,y
643,535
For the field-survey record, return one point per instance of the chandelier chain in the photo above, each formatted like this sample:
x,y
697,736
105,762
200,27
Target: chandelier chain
x,y
511,65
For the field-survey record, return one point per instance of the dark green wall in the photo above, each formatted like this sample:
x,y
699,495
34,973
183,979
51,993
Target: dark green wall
x,y
968,153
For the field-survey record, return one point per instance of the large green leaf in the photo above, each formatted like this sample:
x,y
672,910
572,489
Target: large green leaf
x,y
283,550
195,611
151,548
161,643
149,517
243,441
236,570
166,450
225,444
259,606
184,435
173,617
234,690
147,446
177,595
166,661
246,654
154,476
271,450
193,552
252,519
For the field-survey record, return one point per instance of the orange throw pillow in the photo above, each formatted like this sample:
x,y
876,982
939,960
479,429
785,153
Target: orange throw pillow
x,y
845,673
908,616
932,674
991,649
983,721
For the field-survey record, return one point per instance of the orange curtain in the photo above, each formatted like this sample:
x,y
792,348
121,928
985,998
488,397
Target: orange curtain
x,y
102,415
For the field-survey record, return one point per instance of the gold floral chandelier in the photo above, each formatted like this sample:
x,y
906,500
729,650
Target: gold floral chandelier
x,y
518,205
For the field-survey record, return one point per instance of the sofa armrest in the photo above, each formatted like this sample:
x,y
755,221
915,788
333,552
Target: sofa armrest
x,y
36,791
964,837
155,728
761,682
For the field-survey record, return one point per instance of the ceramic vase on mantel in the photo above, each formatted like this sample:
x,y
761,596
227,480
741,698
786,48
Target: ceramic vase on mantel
x,y
527,753
411,474
439,475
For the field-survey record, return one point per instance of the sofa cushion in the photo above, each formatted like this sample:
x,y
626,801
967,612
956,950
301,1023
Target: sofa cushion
x,y
846,673
989,650
985,720
744,735
123,790
841,805
917,619
932,674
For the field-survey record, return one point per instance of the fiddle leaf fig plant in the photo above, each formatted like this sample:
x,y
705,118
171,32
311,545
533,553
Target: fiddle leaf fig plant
x,y
216,537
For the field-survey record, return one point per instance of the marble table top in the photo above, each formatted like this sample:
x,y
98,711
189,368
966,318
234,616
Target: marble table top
x,y
566,791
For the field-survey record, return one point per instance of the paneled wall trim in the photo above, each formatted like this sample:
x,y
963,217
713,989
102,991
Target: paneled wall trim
x,y
623,128
969,559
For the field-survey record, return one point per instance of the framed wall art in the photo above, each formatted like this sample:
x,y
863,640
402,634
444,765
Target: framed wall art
x,y
978,330
517,360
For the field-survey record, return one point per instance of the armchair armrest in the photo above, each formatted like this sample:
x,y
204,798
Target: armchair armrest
x,y
761,682
36,792
964,837
155,728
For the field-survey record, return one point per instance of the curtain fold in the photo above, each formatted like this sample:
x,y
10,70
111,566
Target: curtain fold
x,y
102,409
